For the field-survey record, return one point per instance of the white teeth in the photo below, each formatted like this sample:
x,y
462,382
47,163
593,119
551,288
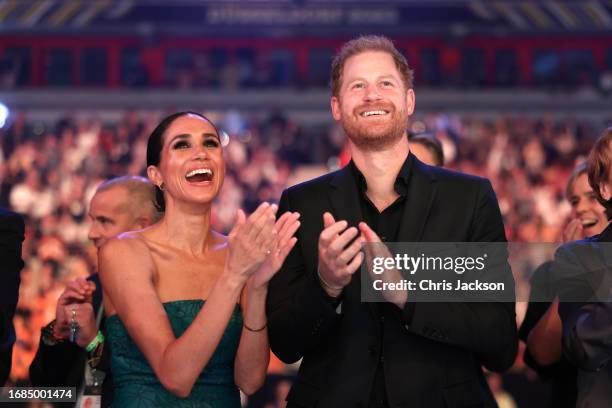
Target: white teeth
x,y
371,113
588,223
198,171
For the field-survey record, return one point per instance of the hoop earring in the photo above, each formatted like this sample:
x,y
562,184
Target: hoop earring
x,y
161,186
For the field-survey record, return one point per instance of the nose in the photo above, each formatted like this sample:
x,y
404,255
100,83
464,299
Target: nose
x,y
372,93
94,232
581,207
201,152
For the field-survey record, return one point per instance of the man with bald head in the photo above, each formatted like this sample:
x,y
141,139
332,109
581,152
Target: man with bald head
x,y
121,204
66,357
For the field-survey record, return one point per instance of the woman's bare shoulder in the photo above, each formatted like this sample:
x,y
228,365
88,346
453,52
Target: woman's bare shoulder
x,y
128,248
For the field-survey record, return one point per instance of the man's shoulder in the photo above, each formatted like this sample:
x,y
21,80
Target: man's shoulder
x,y
453,177
315,184
11,223
7,216
452,181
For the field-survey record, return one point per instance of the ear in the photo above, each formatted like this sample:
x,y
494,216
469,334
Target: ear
x,y
154,175
410,101
335,108
604,190
141,222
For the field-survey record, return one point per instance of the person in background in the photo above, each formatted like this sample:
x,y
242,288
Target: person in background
x,y
427,148
585,296
541,328
11,236
120,204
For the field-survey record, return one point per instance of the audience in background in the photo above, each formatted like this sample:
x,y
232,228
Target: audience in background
x,y
49,171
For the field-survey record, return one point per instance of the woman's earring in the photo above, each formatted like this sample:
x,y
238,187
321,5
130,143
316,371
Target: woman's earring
x,y
161,186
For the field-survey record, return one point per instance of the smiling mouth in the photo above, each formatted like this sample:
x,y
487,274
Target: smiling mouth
x,y
370,113
199,175
588,222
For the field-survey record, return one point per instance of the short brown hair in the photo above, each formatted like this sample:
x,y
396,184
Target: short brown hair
x,y
598,167
363,44
141,195
578,171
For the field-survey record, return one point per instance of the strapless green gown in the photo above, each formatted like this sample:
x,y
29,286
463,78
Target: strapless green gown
x,y
136,384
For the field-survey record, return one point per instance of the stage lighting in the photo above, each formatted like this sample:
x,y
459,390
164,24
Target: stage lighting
x,y
4,113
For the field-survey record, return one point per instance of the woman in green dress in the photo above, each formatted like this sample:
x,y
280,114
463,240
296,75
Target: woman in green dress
x,y
186,305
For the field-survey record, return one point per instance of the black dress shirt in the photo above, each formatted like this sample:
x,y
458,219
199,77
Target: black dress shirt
x,y
386,224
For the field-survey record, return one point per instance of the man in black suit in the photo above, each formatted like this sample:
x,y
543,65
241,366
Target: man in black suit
x,y
11,237
120,204
398,353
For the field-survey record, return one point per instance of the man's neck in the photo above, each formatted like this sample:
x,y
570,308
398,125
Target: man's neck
x,y
380,169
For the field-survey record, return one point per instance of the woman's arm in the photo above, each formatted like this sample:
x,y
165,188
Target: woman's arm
x,y
544,340
253,353
126,270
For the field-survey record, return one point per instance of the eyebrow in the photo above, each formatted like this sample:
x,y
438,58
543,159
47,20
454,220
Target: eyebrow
x,y
183,136
377,78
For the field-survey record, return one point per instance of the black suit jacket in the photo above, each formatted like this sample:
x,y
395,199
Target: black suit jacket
x,y
11,236
432,351
63,364
585,270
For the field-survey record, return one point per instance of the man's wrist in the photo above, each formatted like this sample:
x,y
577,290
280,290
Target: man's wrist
x,y
331,290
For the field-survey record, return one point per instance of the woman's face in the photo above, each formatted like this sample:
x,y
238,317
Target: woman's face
x,y
586,207
191,167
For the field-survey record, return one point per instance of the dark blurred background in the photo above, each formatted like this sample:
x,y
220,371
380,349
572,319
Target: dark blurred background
x,y
516,91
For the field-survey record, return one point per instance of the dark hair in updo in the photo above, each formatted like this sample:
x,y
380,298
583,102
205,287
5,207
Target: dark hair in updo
x,y
156,143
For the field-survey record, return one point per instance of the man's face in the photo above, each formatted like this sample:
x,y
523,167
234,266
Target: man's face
x,y
110,215
373,104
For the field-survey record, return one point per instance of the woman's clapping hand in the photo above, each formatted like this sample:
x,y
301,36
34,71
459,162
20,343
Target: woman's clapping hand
x,y
286,226
251,240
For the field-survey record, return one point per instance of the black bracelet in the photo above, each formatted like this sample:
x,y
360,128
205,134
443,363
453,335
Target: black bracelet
x,y
48,335
254,330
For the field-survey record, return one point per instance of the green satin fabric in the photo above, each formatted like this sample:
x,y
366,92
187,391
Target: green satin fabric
x,y
136,385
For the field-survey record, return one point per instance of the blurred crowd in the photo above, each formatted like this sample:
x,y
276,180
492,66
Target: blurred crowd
x,y
49,171
251,67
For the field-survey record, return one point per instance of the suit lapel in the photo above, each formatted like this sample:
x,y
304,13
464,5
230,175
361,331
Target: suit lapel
x,y
421,192
345,205
344,197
